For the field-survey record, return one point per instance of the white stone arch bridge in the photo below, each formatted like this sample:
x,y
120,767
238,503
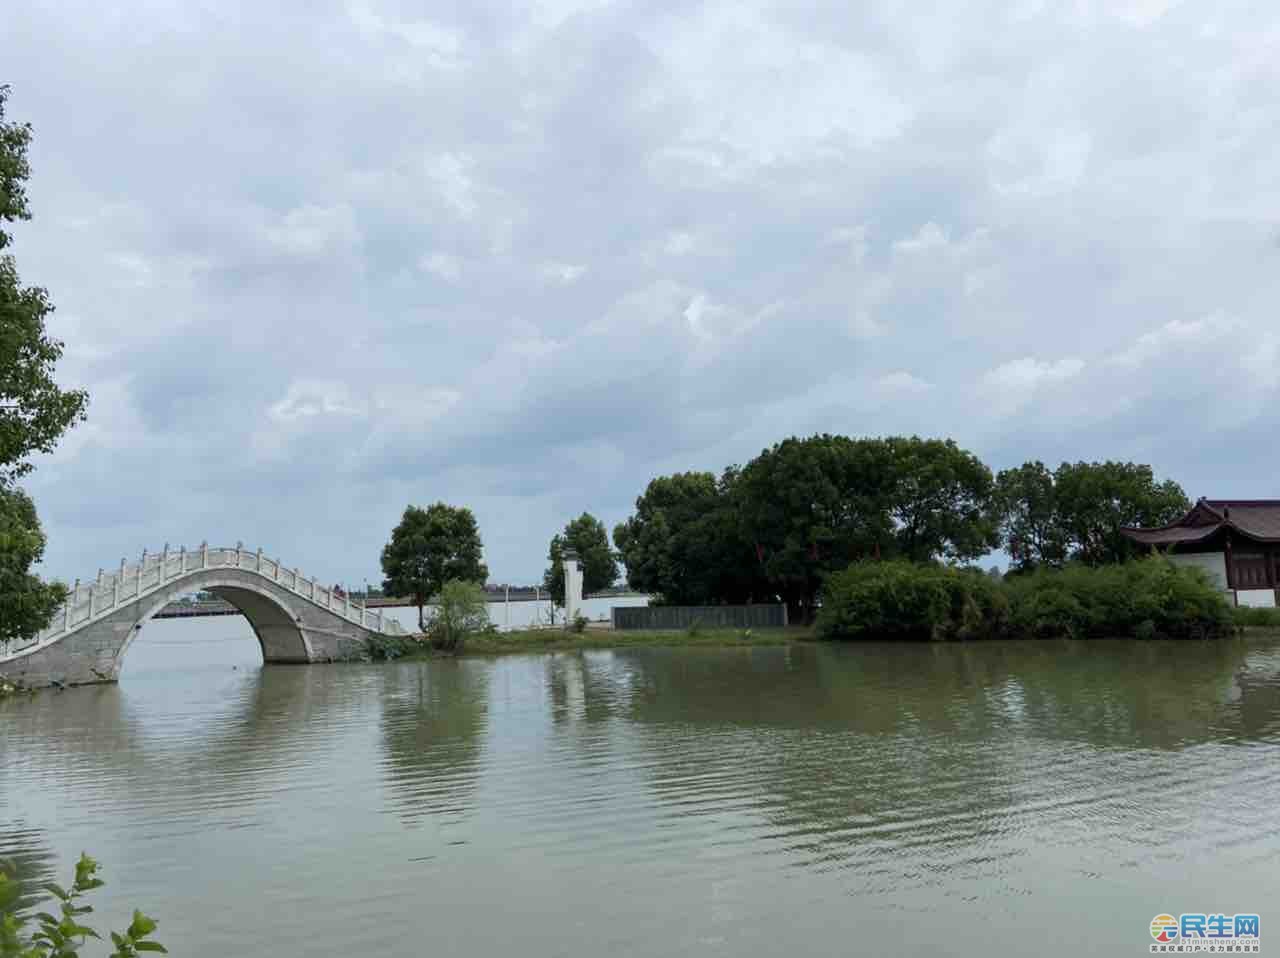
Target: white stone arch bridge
x,y
294,618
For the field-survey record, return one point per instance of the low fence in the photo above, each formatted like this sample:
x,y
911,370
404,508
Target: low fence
x,y
679,617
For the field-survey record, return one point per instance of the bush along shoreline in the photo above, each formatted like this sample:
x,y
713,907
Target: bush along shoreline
x,y
1144,599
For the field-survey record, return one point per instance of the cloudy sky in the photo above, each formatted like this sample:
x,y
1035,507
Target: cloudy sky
x,y
315,261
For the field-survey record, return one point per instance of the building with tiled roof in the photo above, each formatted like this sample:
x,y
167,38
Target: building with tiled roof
x,y
1235,541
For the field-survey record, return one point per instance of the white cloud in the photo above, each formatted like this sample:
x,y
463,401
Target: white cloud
x,y
444,265
466,246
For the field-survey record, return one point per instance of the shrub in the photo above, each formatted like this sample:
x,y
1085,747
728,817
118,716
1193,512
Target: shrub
x,y
580,623
386,648
462,611
903,600
63,935
1244,616
1147,598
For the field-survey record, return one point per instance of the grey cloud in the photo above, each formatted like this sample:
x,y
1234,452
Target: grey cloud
x,y
314,261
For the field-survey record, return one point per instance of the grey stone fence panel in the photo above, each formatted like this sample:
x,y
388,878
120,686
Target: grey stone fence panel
x,y
680,617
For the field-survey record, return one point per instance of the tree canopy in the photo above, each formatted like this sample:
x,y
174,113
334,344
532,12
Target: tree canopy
x,y
428,548
801,510
34,410
26,603
587,536
685,546
1076,512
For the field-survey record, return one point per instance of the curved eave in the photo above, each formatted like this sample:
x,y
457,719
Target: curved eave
x,y
1152,537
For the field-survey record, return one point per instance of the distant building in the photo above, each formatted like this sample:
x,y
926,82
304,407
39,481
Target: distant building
x,y
1235,541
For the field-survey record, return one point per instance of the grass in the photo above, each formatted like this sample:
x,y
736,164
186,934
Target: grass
x,y
556,640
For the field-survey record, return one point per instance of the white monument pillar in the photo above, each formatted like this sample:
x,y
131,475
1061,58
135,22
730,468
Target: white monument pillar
x,y
572,586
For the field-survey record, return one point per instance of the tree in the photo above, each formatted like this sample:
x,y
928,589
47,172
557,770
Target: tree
x,y
26,603
942,502
812,506
34,411
587,536
429,548
1094,500
685,545
1030,527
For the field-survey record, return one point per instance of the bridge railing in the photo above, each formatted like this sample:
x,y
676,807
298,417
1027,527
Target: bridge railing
x,y
109,591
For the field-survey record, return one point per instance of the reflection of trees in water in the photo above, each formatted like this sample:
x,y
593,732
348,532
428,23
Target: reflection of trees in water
x,y
434,720
583,688
868,750
27,858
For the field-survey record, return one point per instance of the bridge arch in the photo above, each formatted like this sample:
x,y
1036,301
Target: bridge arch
x,y
274,620
294,618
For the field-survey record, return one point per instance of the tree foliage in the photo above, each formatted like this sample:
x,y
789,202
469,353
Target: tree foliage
x,y
1077,512
26,603
428,548
587,536
1029,525
63,935
802,510
812,506
685,546
34,411
462,610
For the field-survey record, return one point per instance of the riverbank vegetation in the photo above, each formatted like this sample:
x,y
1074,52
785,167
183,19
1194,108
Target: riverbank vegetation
x,y
64,935
778,528
1147,598
529,641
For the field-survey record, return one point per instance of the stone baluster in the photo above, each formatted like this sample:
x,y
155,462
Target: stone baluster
x,y
259,566
182,559
142,564
91,602
204,554
66,615
115,587
164,563
277,572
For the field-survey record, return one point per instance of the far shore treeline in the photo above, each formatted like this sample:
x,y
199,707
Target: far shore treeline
x,y
807,508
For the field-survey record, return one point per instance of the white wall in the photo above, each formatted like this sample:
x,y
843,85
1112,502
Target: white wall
x,y
1257,598
1214,564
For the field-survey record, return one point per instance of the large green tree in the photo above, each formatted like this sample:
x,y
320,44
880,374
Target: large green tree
x,y
685,544
942,500
587,536
1030,527
428,548
1095,500
34,410
1077,511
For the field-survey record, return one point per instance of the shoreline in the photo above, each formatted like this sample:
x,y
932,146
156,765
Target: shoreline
x,y
534,641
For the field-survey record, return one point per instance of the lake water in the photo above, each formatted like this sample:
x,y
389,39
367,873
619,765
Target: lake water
x,y
985,799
